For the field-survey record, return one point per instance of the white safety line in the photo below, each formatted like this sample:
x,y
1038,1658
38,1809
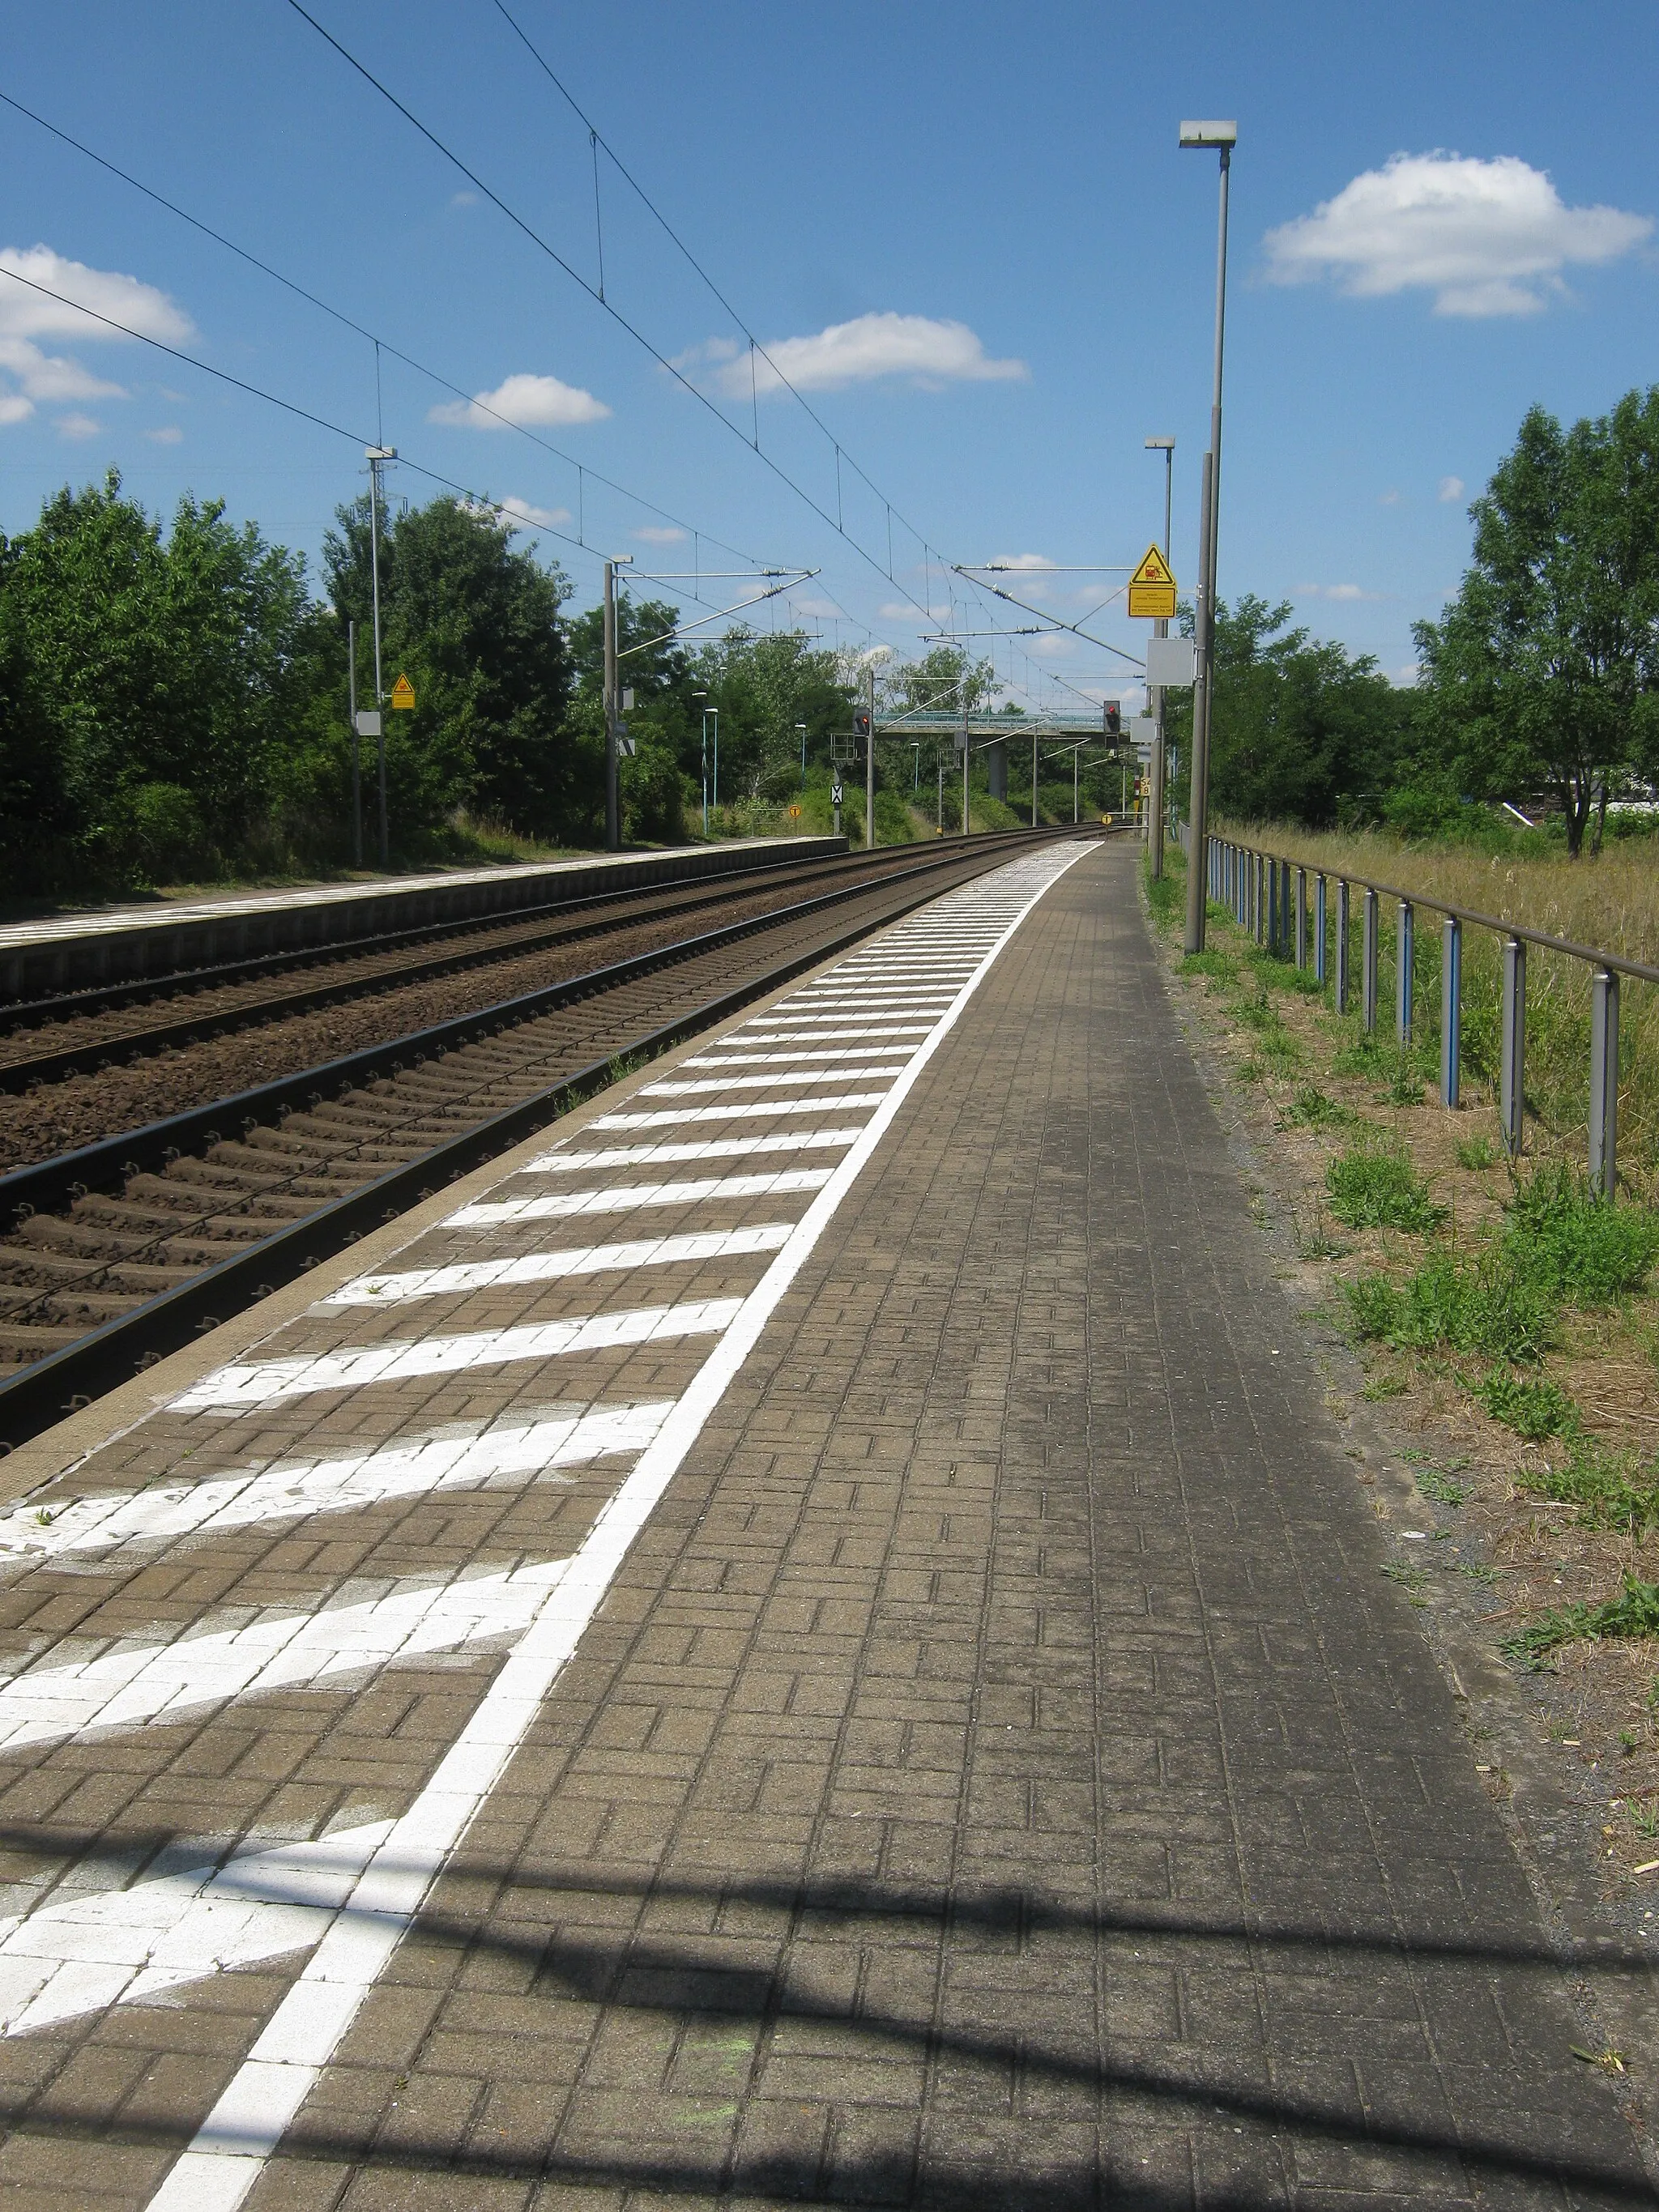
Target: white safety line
x,y
759,1035
123,1946
552,1267
842,1101
797,1075
268,1381
624,1198
765,1059
278,1649
459,1458
672,1155
240,2134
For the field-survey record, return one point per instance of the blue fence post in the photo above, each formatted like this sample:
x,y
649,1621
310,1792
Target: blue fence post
x,y
1368,965
1451,997
1319,929
1405,948
1301,917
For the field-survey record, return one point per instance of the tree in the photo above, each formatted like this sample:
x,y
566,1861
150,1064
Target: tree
x,y
1301,729
473,621
1541,674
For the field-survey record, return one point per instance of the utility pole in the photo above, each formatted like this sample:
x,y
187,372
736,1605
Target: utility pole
x,y
1154,705
870,759
965,756
1222,137
801,726
1034,766
356,753
612,798
377,456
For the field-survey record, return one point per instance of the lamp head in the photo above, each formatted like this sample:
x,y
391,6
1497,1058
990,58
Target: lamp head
x,y
1160,445
1223,135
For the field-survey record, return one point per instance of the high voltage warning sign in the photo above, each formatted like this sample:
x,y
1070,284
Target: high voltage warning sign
x,y
1152,588
403,693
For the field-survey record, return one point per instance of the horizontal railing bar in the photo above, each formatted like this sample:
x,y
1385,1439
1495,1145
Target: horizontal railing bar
x,y
1614,961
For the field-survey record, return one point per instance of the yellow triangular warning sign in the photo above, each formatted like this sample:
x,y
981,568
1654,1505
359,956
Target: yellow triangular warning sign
x,y
1153,570
402,692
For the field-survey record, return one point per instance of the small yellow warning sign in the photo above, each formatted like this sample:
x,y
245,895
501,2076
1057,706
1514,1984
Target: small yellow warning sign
x,y
403,693
1152,588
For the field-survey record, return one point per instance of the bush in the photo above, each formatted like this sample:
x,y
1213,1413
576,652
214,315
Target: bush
x,y
1534,1408
1373,1186
1477,1306
1581,1251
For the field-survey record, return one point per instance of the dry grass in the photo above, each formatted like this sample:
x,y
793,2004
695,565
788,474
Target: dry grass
x,y
1610,903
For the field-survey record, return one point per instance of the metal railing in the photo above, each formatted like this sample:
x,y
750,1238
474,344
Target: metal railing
x,y
1267,894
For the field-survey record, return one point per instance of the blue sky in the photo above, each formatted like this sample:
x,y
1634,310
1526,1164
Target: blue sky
x,y
968,232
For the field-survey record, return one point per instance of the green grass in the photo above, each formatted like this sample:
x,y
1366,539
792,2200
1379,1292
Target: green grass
x,y
1533,1406
1376,1186
1312,1109
1434,1482
1634,1612
1463,1305
1477,1154
1581,1252
1221,965
1612,1491
1165,894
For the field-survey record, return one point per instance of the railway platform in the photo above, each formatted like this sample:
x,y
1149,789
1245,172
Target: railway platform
x,y
805,1637
109,945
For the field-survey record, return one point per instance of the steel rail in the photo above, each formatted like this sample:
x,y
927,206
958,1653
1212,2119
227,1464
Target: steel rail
x,y
43,1393
98,1054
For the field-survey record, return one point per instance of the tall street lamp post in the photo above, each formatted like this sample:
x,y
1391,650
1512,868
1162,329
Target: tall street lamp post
x,y
701,699
377,456
1222,137
1155,707
612,796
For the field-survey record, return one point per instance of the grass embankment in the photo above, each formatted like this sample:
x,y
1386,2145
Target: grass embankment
x,y
1511,1319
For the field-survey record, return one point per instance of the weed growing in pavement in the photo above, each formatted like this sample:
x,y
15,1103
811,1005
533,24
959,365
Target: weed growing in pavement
x,y
1476,1572
1379,1387
1644,1813
1165,894
1317,1242
1435,1482
1375,1186
1533,1406
1411,1579
1476,1153
1633,1612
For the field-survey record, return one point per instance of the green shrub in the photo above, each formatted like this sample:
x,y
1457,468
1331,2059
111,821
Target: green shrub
x,y
1374,1306
1476,1154
1221,965
1579,1250
1376,1186
1534,1408
1476,1305
1634,1612
1611,1490
1165,897
1312,1109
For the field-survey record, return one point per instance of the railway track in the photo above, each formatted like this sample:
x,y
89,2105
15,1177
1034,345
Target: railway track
x,y
50,1040
121,1250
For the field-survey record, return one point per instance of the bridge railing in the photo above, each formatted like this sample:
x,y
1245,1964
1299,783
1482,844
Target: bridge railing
x,y
1267,894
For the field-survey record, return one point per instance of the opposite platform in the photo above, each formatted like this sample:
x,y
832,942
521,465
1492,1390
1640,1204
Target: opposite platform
x,y
811,1642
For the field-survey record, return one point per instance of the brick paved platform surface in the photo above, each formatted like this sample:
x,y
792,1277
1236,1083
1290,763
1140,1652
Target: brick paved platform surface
x,y
996,1774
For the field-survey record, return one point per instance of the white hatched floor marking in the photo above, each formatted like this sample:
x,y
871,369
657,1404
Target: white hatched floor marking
x,y
672,1155
231,2148
623,1198
123,1946
550,1266
761,1034
798,1075
278,1649
794,1059
464,1457
773,1107
268,1381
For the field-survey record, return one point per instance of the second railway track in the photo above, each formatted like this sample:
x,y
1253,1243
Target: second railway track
x,y
122,1249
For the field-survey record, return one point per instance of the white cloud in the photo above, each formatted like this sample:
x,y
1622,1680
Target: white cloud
x,y
657,533
1487,238
26,315
907,610
78,426
464,199
168,434
1451,488
538,401
31,314
514,513
930,353
1341,592
1389,498
1406,678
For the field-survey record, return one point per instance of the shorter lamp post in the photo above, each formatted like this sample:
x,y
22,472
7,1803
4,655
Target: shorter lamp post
x,y
703,696
801,727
